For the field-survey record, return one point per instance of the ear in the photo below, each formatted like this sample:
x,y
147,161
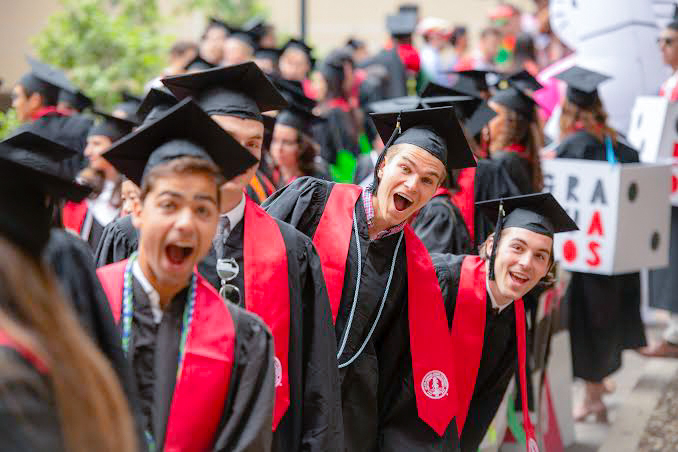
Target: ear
x,y
489,245
136,214
380,171
35,101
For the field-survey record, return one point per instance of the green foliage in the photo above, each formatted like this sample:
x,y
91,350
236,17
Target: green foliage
x,y
105,45
8,122
235,12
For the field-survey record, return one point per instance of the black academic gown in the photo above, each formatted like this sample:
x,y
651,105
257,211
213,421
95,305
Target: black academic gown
x,y
377,395
336,133
118,241
498,361
246,418
313,420
440,226
70,131
364,168
396,83
29,419
517,168
604,310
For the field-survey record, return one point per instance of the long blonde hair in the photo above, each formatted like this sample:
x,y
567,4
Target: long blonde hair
x,y
91,407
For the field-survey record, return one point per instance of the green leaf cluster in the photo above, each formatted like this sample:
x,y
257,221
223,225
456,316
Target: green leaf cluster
x,y
8,122
233,12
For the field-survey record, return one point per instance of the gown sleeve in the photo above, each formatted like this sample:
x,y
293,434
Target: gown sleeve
x,y
28,415
247,420
323,426
440,226
118,241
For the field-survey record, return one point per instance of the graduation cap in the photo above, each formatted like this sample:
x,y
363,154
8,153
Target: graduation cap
x,y
129,105
434,90
401,24
268,53
539,212
46,80
256,27
185,130
299,113
482,115
241,90
474,111
516,99
435,130
245,37
76,100
39,158
521,79
395,104
157,101
300,44
476,78
111,126
582,85
198,63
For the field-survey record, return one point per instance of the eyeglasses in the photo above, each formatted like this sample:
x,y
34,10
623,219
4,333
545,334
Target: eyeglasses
x,y
228,269
666,41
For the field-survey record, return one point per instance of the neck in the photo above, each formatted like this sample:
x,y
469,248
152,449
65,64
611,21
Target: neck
x,y
289,173
229,200
166,292
379,223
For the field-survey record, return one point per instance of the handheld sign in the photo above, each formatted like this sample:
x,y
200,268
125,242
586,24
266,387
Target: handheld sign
x,y
622,212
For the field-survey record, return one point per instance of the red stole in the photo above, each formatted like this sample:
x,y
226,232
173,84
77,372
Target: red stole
x,y
468,330
464,198
44,111
202,388
340,103
518,149
267,292
8,341
430,342
73,215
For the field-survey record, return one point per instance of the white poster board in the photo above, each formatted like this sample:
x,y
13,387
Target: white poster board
x,y
654,132
622,212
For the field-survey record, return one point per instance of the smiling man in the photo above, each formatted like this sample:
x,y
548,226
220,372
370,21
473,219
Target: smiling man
x,y
483,297
190,352
394,353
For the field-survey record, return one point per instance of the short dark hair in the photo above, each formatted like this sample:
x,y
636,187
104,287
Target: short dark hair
x,y
673,25
181,166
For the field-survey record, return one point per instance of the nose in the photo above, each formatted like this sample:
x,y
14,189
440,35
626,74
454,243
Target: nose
x,y
411,183
185,221
525,260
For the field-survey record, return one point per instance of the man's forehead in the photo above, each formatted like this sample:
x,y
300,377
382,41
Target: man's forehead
x,y
185,185
420,157
533,239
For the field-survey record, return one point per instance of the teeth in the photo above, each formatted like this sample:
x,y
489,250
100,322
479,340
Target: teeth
x,y
406,197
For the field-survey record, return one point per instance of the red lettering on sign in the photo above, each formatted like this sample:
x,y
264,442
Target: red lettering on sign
x,y
674,183
594,260
570,250
596,226
675,149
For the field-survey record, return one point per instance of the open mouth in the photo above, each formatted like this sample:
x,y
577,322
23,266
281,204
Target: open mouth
x,y
401,202
519,278
177,255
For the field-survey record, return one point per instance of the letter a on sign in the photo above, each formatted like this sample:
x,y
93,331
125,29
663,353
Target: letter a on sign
x,y
596,226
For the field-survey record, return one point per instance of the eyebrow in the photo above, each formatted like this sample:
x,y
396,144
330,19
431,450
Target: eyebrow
x,y
198,197
429,173
516,239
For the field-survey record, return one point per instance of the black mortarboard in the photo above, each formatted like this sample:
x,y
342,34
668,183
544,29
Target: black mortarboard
x,y
539,212
582,85
129,105
435,130
198,64
301,45
521,79
474,111
46,80
482,115
157,101
466,109
516,99
395,104
111,126
184,130
268,53
76,100
409,8
299,113
245,37
256,27
241,90
402,23
478,78
29,173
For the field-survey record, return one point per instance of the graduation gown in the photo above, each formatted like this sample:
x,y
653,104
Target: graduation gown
x,y
76,217
498,359
379,407
312,422
365,167
29,418
517,168
234,407
663,282
604,310
337,132
440,226
119,240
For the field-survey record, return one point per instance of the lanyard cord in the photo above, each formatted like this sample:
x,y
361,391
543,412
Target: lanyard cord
x,y
355,297
609,151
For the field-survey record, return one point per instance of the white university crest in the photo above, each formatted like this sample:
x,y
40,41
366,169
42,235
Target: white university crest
x,y
277,367
435,385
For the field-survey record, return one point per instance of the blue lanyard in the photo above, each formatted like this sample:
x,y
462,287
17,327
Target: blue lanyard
x,y
609,151
127,314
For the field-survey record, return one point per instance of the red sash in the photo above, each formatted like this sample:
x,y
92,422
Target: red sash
x,y
73,215
267,292
468,329
464,199
200,392
430,343
44,111
8,341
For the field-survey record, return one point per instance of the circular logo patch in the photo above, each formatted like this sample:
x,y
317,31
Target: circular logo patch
x,y
435,385
277,367
532,445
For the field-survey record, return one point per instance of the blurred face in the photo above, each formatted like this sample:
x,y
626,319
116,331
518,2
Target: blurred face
x,y
236,52
97,145
294,64
497,124
265,65
285,147
23,105
129,193
176,223
250,134
408,178
523,258
489,45
668,45
212,46
319,85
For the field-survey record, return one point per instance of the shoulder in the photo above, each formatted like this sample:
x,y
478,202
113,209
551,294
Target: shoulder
x,y
122,228
66,245
447,266
438,206
575,144
250,330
